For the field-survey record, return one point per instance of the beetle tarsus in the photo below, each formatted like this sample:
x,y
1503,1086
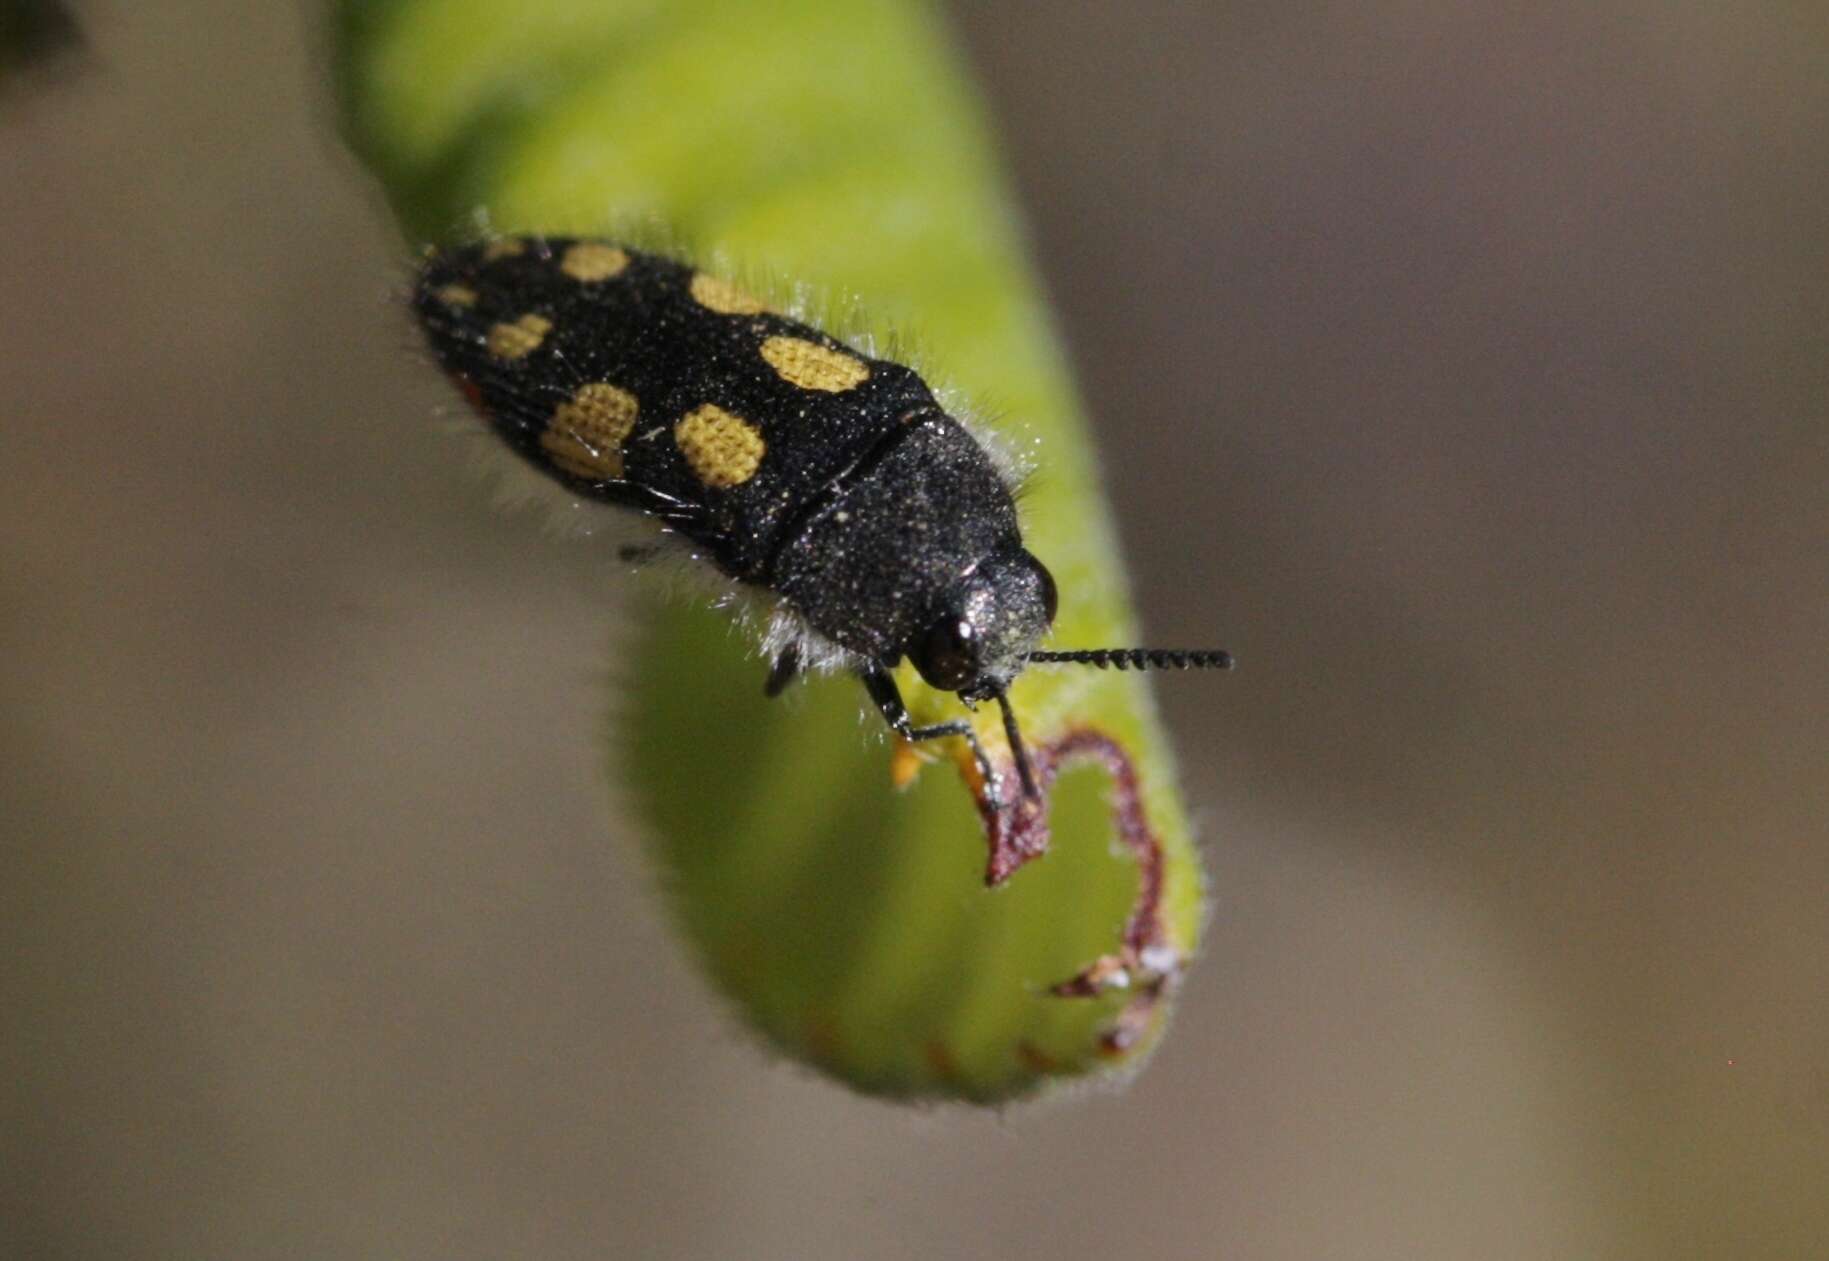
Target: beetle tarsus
x,y
881,686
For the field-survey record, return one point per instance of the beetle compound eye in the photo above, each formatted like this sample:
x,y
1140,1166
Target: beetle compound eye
x,y
948,656
1051,597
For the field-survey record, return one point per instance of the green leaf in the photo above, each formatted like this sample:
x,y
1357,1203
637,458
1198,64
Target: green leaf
x,y
832,143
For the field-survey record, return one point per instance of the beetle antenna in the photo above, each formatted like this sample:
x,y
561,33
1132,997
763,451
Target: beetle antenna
x,y
1023,772
1141,658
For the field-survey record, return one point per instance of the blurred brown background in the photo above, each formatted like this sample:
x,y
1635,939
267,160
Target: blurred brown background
x,y
1463,367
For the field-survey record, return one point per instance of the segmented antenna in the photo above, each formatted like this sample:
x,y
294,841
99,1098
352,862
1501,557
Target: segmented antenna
x,y
1141,658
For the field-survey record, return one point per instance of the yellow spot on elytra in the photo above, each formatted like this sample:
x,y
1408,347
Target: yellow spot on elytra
x,y
504,247
591,261
722,296
456,295
722,450
519,339
585,435
812,366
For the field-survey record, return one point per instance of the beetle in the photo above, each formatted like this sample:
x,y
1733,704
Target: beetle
x,y
831,481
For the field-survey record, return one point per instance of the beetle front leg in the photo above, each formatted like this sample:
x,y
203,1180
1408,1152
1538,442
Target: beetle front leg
x,y
881,686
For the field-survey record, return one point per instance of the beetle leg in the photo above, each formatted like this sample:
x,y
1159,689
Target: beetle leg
x,y
783,672
881,686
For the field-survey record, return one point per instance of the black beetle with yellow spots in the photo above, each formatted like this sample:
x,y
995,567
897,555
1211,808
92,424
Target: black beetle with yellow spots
x,y
829,480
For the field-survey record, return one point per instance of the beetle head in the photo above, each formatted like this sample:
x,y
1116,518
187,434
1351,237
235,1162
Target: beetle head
x,y
993,618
